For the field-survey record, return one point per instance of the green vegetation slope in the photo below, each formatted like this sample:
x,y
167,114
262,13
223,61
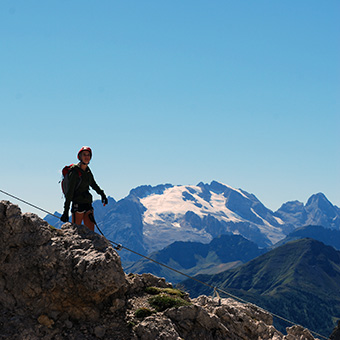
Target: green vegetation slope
x,y
299,281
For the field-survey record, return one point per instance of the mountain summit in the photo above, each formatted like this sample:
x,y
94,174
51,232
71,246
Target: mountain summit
x,y
151,218
317,211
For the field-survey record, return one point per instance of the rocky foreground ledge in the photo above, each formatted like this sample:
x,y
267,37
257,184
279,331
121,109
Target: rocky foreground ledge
x,y
69,284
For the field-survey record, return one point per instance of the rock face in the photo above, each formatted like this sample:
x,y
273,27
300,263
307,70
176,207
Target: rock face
x,y
45,269
317,211
69,284
209,319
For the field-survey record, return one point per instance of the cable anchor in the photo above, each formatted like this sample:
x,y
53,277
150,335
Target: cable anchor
x,y
215,294
118,247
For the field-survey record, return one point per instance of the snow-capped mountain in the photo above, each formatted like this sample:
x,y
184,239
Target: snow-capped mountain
x,y
199,213
151,218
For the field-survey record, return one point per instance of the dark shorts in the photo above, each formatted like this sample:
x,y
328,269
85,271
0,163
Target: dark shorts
x,y
81,207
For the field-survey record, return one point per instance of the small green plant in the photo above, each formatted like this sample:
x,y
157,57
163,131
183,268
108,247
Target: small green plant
x,y
153,290
162,302
170,291
143,312
173,291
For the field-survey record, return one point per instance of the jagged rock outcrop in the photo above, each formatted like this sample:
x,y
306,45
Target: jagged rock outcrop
x,y
69,284
46,269
208,319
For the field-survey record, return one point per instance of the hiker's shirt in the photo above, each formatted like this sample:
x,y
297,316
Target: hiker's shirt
x,y
79,186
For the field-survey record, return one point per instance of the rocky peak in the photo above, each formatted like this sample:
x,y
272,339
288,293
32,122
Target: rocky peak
x,y
69,284
317,211
292,207
319,201
145,190
322,212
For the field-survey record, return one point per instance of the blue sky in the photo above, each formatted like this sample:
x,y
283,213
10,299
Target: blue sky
x,y
242,92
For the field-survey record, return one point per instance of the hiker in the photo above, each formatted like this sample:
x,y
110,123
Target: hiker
x,y
79,182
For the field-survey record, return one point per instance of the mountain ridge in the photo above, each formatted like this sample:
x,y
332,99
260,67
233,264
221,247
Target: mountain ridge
x,y
302,275
222,253
317,211
329,237
192,258
152,217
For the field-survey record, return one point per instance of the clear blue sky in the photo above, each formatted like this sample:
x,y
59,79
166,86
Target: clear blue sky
x,y
242,92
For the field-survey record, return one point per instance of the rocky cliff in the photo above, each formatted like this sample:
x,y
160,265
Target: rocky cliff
x,y
69,284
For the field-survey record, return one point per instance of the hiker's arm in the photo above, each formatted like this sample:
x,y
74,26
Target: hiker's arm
x,y
99,191
96,187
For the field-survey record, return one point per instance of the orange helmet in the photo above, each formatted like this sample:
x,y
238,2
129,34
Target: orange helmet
x,y
84,148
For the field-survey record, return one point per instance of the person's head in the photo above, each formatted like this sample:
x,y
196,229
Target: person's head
x,y
85,154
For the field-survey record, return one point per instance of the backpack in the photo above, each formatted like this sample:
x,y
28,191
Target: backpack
x,y
65,181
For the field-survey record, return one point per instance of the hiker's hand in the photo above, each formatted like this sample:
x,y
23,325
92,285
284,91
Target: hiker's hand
x,y
64,217
104,200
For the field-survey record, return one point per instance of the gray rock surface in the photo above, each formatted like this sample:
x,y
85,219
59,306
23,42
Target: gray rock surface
x,y
69,284
71,270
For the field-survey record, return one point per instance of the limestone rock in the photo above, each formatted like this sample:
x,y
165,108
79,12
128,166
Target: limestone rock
x,y
137,283
195,322
298,332
99,331
69,284
45,320
71,270
157,327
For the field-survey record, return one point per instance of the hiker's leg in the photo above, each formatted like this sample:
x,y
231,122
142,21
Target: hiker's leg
x,y
88,221
77,217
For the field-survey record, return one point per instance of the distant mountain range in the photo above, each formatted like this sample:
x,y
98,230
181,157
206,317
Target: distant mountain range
x,y
222,253
317,211
327,236
151,218
299,280
192,258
